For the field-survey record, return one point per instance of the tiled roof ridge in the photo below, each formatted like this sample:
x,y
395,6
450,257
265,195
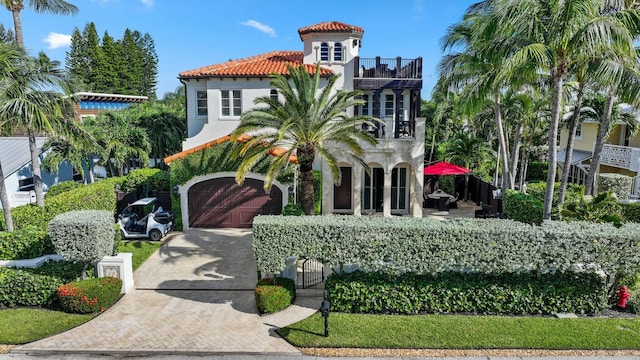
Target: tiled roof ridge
x,y
330,26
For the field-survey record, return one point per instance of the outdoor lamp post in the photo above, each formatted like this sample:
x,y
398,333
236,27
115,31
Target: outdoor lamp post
x,y
324,309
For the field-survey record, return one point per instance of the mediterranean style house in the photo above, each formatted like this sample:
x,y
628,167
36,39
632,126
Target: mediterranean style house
x,y
217,95
620,152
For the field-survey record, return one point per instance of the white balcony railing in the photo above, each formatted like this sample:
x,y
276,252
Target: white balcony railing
x,y
618,156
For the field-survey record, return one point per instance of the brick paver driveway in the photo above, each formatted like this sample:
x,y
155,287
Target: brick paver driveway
x,y
194,295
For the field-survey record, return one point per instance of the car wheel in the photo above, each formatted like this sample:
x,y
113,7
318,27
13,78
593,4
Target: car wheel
x,y
155,235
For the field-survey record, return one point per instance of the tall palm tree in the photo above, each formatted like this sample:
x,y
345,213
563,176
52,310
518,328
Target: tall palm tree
x,y
553,35
78,147
311,121
40,6
32,98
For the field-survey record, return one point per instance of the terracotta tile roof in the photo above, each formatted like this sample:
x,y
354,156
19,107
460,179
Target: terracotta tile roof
x,y
220,140
329,27
255,66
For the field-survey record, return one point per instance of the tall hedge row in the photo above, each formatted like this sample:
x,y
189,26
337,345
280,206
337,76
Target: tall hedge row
x,y
399,245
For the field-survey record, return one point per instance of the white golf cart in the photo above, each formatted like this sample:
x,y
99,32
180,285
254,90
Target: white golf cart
x,y
145,219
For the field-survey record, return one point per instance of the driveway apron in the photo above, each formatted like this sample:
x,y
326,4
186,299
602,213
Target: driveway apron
x,y
194,295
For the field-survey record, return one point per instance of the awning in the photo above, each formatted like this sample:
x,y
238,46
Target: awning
x,y
577,157
445,168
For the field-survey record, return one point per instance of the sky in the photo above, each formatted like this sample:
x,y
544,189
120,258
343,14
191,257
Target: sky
x,y
189,34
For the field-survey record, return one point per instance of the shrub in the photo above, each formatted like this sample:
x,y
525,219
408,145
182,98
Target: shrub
x,y
25,243
602,208
22,288
143,180
630,212
85,236
64,270
292,209
95,196
573,193
62,187
615,183
90,295
456,292
522,207
274,294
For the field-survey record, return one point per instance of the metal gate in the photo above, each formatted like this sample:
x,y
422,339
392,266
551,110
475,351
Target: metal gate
x,y
312,273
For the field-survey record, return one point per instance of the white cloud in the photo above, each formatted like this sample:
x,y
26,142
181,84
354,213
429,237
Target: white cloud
x,y
261,27
56,40
148,3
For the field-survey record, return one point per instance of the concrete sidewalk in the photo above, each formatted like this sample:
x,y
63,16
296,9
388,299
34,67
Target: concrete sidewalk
x,y
194,296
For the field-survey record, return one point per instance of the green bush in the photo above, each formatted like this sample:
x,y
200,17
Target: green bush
x,y
22,288
615,183
456,292
85,235
143,180
62,187
292,209
274,294
602,208
573,193
95,196
24,243
631,212
64,270
90,295
522,207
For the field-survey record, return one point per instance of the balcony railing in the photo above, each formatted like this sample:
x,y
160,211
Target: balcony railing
x,y
392,129
388,68
618,156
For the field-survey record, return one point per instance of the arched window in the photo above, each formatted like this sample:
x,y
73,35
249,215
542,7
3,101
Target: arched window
x,y
324,52
273,94
337,52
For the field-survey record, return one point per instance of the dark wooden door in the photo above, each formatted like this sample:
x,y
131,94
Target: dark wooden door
x,y
221,203
342,193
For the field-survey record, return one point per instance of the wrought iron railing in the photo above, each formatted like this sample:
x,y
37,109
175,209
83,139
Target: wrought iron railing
x,y
312,273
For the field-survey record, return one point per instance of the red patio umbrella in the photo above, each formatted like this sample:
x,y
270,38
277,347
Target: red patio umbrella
x,y
445,168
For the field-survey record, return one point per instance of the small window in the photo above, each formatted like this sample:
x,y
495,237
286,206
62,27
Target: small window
x,y
579,132
365,106
337,52
201,102
324,52
274,95
231,103
389,104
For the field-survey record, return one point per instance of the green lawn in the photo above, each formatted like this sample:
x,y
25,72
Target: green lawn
x,y
141,250
464,332
20,326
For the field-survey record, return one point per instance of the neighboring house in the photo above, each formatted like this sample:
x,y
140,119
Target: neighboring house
x,y
88,104
620,152
18,175
218,94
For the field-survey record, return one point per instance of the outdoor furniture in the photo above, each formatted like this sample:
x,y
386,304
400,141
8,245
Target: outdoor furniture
x,y
486,212
444,203
453,201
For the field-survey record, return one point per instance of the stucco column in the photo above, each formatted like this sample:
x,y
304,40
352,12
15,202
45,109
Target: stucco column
x,y
356,181
327,189
386,204
417,183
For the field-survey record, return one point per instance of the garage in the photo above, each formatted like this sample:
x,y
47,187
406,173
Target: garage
x,y
221,203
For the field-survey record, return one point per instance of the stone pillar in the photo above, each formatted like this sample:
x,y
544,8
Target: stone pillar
x,y
386,202
118,266
356,183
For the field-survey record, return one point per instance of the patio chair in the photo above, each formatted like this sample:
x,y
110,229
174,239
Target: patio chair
x,y
453,201
486,212
444,203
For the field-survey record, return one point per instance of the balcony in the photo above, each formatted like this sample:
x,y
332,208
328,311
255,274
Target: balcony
x,y
392,129
624,157
392,73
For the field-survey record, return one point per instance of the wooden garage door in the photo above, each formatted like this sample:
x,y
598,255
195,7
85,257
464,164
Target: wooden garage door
x,y
221,203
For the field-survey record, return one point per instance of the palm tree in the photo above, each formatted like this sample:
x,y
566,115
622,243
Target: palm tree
x,y
553,35
78,148
40,6
164,125
469,151
309,122
32,98
121,140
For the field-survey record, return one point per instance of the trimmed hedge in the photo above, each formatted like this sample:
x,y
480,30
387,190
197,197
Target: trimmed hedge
x,y
85,235
90,295
615,183
455,292
62,187
140,180
274,294
398,245
25,243
38,286
574,192
522,207
631,212
96,196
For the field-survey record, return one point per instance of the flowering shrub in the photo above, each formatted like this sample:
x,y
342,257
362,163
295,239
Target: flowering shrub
x,y
90,295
